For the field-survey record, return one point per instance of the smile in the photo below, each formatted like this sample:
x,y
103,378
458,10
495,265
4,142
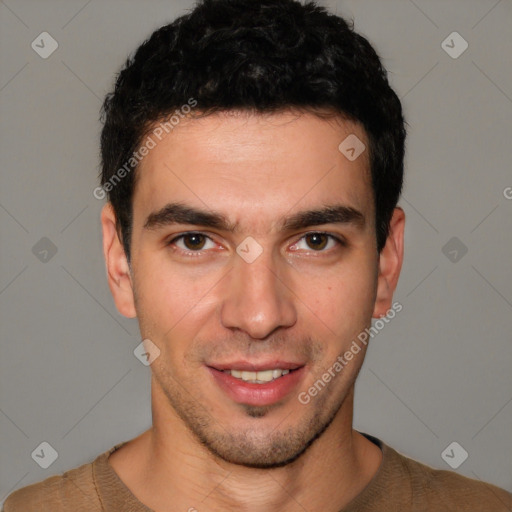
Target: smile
x,y
260,377
262,385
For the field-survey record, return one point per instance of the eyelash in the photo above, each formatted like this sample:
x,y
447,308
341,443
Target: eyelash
x,y
340,241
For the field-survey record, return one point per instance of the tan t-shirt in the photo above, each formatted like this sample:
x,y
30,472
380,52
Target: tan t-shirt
x,y
400,484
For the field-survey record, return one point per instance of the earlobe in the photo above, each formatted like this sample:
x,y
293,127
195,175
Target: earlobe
x,y
118,270
390,264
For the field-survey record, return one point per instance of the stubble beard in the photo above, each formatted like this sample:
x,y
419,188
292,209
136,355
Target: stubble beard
x,y
254,447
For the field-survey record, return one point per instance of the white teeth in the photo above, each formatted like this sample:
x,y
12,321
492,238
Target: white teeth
x,y
267,375
260,377
248,376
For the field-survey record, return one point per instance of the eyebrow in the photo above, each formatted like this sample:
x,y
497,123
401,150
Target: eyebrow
x,y
177,213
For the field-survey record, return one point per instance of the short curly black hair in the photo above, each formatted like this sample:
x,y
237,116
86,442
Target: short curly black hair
x,y
260,56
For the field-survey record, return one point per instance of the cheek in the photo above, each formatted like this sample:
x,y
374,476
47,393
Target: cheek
x,y
340,303
171,303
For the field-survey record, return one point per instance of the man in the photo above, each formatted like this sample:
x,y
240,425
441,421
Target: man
x,y
253,158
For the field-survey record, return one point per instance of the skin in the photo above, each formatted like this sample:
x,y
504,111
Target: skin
x,y
296,302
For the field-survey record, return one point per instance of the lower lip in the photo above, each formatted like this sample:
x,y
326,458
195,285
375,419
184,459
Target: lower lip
x,y
257,394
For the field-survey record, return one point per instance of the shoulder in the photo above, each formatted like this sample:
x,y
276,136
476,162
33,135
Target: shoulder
x,y
446,490
73,490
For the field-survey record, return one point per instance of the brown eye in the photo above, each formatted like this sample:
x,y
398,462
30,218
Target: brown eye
x,y
194,241
189,243
317,241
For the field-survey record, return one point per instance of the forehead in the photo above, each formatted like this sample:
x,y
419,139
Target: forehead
x,y
255,167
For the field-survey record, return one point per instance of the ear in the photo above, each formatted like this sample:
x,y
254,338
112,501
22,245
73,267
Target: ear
x,y
390,263
118,270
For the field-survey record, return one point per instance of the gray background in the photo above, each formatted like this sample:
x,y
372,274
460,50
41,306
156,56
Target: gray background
x,y
438,373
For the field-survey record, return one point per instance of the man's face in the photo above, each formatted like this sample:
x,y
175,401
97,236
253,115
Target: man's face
x,y
297,306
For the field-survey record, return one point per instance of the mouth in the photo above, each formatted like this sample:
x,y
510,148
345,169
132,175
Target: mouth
x,y
257,385
260,377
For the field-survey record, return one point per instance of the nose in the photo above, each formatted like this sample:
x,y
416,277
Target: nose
x,y
258,300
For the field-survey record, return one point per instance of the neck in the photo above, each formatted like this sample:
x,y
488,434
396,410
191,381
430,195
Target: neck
x,y
167,465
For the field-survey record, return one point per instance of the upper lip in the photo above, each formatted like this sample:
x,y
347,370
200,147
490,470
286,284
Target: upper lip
x,y
256,367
